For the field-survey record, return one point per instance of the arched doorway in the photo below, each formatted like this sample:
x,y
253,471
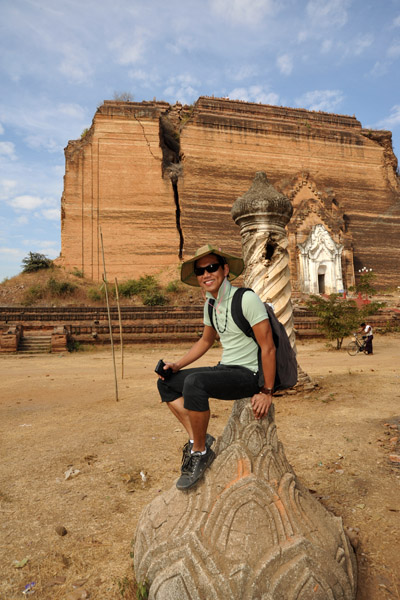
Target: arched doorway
x,y
320,263
321,279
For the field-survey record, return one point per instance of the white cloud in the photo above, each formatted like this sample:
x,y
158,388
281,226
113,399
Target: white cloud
x,y
181,88
22,220
254,93
285,64
8,149
182,44
396,22
243,72
14,252
379,69
27,202
48,247
51,214
75,64
46,125
243,12
394,50
149,79
129,50
328,13
326,46
324,100
361,43
393,120
7,187
1,129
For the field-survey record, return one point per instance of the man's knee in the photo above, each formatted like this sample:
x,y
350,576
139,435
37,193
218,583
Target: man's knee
x,y
194,393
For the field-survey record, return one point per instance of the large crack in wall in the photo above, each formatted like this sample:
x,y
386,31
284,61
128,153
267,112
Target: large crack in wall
x,y
172,161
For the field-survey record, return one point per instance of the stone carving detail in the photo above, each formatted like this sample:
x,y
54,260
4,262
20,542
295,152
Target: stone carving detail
x,y
262,214
249,530
320,263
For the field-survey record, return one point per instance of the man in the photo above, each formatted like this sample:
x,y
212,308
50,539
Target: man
x,y
187,391
368,337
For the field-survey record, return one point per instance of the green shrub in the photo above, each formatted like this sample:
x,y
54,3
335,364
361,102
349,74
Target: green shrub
x,y
60,288
172,286
77,273
128,288
94,294
35,261
145,286
155,298
33,294
74,346
365,282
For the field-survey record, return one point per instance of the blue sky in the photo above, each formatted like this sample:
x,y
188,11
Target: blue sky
x,y
60,59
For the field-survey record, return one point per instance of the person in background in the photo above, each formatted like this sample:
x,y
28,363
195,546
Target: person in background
x,y
366,330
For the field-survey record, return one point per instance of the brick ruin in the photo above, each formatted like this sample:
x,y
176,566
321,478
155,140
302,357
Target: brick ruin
x,y
160,181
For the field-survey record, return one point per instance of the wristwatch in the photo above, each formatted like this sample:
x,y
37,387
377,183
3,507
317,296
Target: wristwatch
x,y
266,390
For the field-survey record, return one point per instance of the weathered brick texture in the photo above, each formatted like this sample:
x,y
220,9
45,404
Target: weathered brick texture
x,y
117,177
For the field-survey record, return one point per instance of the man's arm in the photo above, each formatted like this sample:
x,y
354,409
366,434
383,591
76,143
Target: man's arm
x,y
196,351
263,334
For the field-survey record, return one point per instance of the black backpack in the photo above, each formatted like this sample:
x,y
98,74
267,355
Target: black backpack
x,y
286,363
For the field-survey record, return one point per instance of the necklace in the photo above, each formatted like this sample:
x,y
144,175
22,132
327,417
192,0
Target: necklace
x,y
226,317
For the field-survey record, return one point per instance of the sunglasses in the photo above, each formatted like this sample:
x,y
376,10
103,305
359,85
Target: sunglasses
x,y
209,268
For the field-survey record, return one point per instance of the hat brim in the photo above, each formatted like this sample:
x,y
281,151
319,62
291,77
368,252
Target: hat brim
x,y
236,264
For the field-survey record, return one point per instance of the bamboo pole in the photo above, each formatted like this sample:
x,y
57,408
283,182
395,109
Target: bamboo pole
x,y
109,316
120,328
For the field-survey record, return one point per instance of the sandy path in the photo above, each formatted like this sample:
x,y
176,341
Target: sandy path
x,y
59,412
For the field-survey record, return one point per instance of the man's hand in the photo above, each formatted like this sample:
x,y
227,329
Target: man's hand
x,y
168,365
260,403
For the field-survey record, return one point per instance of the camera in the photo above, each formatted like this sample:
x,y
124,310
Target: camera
x,y
166,373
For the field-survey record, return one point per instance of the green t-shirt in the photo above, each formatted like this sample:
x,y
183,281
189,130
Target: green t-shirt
x,y
238,348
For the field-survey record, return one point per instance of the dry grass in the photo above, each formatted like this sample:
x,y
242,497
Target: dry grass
x,y
33,289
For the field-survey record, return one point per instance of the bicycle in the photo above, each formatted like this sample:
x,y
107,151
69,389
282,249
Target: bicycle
x,y
356,346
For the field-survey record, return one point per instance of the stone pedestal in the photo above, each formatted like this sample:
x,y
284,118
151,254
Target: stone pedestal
x,y
248,531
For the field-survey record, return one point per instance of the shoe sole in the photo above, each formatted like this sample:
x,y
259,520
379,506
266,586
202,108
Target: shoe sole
x,y
185,484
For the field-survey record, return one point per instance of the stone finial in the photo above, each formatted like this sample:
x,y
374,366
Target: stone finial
x,y
262,198
249,530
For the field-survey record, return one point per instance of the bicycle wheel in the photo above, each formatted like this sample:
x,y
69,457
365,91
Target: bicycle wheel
x,y
352,348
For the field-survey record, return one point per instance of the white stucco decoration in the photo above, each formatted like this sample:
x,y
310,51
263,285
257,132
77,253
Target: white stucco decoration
x,y
320,263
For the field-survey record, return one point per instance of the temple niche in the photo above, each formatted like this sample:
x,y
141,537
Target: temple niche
x,y
320,247
320,263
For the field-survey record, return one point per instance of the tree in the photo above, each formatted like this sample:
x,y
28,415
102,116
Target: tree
x,y
365,283
123,96
35,261
338,317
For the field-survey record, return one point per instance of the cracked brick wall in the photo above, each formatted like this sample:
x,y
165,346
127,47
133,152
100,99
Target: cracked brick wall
x,y
160,180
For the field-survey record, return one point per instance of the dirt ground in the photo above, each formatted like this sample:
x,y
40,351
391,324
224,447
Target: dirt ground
x,y
59,416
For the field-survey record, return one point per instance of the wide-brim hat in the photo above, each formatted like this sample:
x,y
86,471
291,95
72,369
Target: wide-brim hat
x,y
236,264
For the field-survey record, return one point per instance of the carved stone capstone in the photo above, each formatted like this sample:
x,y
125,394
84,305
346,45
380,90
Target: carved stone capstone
x,y
262,200
249,530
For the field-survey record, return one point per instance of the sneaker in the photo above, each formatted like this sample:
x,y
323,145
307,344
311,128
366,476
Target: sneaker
x,y
187,451
198,463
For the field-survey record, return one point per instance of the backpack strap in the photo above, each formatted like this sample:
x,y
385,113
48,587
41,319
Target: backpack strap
x,y
237,312
211,303
243,324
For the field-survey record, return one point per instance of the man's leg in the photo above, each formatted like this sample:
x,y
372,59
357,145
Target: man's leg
x,y
180,412
199,423
226,383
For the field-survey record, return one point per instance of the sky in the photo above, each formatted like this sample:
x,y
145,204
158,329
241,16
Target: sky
x,y
59,60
